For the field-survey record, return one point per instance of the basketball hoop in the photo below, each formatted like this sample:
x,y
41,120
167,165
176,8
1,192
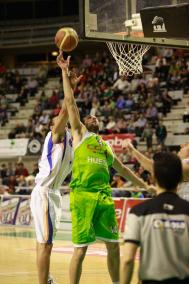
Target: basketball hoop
x,y
128,56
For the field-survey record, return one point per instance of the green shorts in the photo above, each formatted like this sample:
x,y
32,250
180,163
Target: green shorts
x,y
93,216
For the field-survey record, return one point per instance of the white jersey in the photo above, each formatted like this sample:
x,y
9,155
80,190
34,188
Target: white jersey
x,y
183,190
55,163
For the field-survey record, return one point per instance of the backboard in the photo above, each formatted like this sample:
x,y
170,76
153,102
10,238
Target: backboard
x,y
152,22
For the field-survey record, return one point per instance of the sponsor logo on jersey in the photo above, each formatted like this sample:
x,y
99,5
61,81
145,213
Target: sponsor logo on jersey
x,y
95,149
98,161
165,224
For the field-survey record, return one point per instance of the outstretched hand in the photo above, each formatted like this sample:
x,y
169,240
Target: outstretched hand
x,y
63,63
127,145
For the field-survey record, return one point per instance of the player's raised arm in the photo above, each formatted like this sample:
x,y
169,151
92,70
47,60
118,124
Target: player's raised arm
x,y
128,174
145,162
59,124
74,118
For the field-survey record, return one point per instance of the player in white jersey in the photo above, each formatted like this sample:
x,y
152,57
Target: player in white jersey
x,y
55,164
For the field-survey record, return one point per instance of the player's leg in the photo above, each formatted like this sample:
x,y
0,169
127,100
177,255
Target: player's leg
x,y
43,251
82,229
44,214
106,229
113,260
76,264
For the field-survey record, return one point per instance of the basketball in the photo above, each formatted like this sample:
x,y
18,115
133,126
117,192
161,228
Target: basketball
x,y
66,39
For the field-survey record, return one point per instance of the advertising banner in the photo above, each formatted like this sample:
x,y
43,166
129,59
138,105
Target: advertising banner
x,y
8,210
24,216
15,210
119,208
116,140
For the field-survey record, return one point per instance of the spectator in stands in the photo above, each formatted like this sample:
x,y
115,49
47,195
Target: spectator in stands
x,y
42,75
29,128
117,181
161,133
10,169
121,126
140,124
11,183
142,90
121,86
167,102
129,103
144,174
32,86
18,132
21,170
106,108
53,100
22,96
130,125
45,117
147,135
152,113
95,106
37,108
162,69
56,110
35,170
22,185
120,104
3,171
111,125
43,100
87,61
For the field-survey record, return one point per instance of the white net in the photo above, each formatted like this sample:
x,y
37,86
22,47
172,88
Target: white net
x,y
128,56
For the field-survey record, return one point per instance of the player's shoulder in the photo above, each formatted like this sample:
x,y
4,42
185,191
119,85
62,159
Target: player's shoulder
x,y
144,208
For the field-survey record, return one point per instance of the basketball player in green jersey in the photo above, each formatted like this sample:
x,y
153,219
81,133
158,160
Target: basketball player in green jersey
x,y
92,207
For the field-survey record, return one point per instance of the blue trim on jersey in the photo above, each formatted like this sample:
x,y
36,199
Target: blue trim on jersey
x,y
49,152
49,241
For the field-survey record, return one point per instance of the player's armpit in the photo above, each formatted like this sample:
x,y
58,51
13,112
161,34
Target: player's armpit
x,y
78,135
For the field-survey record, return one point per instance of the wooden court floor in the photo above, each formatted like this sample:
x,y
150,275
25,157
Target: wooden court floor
x,y
17,259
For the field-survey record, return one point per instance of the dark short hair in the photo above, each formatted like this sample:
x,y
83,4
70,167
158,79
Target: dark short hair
x,y
167,170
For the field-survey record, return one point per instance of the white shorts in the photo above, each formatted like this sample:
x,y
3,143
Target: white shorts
x,y
46,208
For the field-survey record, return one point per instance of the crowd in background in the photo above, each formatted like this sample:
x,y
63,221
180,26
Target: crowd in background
x,y
133,105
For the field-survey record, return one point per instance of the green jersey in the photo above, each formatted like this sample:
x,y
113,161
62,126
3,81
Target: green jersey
x,y
92,159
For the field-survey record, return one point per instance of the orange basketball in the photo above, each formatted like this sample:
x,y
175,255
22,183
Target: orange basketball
x,y
66,39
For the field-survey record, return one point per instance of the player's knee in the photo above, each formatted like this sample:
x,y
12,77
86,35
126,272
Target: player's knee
x,y
80,253
113,248
44,247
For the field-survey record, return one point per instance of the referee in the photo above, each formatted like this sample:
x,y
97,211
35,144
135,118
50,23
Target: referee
x,y
160,227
